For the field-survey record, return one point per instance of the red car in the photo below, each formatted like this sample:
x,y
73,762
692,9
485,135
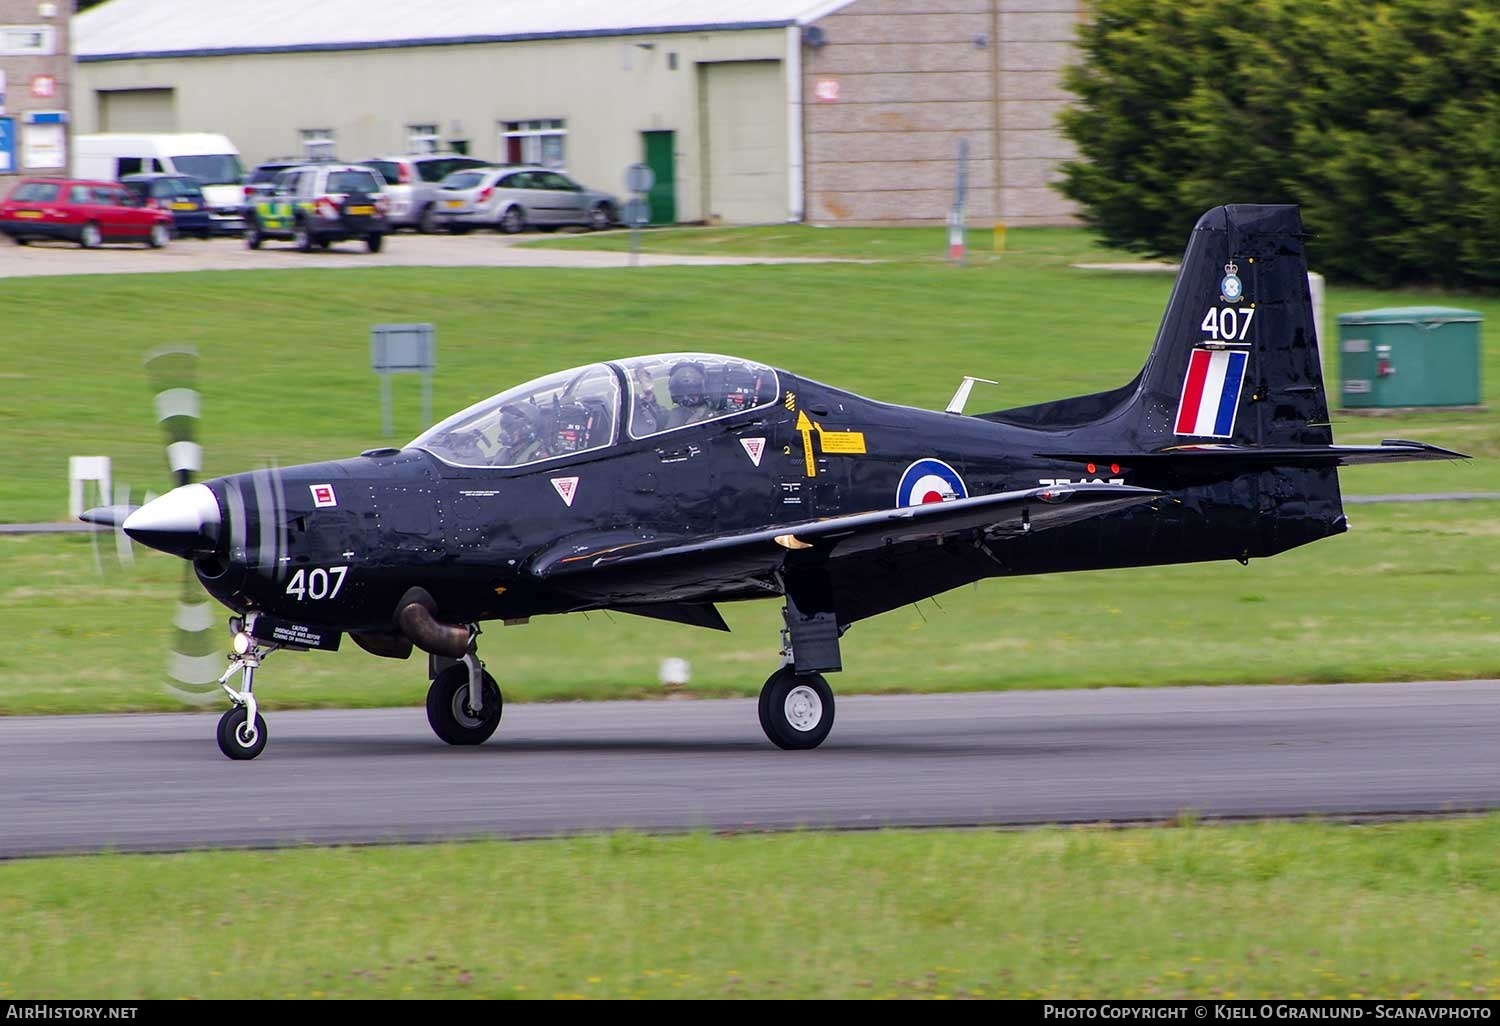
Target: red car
x,y
88,213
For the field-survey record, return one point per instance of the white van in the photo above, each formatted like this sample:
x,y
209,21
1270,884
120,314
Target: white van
x,y
212,159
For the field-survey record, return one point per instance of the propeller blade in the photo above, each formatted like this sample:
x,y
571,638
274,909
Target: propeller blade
x,y
197,657
173,371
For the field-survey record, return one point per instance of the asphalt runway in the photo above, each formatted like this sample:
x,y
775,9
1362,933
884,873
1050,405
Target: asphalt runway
x,y
158,782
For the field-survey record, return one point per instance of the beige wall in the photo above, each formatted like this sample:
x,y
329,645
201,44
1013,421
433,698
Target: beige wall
x,y
913,78
608,89
19,72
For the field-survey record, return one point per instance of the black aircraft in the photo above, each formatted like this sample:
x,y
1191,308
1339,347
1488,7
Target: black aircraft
x,y
662,485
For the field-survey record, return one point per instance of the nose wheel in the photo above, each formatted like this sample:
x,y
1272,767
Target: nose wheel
x,y
239,738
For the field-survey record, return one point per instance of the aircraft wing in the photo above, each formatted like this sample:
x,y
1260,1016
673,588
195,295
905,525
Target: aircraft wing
x,y
622,570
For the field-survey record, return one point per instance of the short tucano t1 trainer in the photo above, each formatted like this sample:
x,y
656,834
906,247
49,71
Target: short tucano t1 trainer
x,y
662,485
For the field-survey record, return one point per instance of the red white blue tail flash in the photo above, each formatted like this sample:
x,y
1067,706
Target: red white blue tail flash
x,y
1211,393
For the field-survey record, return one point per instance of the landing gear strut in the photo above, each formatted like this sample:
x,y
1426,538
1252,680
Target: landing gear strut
x,y
242,731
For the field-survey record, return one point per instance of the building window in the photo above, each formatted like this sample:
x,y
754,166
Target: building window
x,y
27,40
421,139
317,143
541,142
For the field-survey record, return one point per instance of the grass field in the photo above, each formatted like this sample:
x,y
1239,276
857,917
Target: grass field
x,y
1266,910
1407,594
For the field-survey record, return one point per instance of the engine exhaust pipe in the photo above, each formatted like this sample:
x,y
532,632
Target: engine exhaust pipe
x,y
415,615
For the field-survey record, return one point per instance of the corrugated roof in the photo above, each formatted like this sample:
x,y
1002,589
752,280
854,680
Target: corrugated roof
x,y
147,28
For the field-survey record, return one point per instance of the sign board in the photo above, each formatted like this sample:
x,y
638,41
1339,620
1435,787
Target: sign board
x,y
44,141
637,211
402,348
43,87
7,145
639,178
826,90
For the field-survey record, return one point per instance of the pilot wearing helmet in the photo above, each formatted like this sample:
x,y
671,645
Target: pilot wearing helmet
x,y
688,386
520,435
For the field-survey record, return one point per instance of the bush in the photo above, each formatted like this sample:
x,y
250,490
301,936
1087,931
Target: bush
x,y
1381,118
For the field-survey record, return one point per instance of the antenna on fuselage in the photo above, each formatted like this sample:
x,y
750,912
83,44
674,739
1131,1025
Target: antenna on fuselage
x,y
956,404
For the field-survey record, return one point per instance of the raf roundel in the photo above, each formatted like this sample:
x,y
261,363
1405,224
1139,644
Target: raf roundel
x,y
927,481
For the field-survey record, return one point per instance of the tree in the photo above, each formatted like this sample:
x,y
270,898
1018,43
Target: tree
x,y
1380,117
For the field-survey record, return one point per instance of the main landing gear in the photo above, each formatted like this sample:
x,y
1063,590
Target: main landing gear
x,y
464,702
796,704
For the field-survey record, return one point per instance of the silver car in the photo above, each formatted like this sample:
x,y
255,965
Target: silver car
x,y
411,185
510,199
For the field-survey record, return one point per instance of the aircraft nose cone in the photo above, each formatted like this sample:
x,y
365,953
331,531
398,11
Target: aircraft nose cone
x,y
184,522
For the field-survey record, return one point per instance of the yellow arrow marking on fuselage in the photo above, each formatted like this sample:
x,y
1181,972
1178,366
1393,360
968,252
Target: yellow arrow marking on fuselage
x,y
805,428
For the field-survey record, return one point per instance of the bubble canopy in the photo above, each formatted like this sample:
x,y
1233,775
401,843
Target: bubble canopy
x,y
579,410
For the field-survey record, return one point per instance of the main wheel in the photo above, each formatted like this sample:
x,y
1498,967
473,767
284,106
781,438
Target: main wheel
x,y
253,237
237,739
796,710
90,237
302,238
373,242
448,709
512,221
427,222
601,217
159,236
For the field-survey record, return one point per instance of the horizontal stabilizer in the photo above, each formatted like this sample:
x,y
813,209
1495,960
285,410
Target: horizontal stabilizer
x,y
1233,458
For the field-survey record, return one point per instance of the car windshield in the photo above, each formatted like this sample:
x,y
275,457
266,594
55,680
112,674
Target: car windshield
x,y
565,413
387,169
212,168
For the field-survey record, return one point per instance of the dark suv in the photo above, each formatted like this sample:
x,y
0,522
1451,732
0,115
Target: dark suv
x,y
318,205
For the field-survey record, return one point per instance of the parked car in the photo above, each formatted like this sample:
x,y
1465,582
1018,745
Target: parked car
x,y
318,205
509,199
210,158
88,213
411,185
179,195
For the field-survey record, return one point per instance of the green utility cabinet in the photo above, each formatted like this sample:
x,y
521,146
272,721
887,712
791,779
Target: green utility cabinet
x,y
1410,356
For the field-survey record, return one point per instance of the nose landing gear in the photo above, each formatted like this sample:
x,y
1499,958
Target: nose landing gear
x,y
242,730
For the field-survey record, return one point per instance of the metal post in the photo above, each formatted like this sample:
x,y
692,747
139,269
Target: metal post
x,y
959,214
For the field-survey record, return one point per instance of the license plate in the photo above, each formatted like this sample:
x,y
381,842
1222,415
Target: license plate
x,y
30,214
365,211
455,204
184,206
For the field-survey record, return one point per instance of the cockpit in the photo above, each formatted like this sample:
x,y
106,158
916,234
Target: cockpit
x,y
599,405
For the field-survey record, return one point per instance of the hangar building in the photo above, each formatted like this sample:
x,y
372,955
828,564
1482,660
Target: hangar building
x,y
749,111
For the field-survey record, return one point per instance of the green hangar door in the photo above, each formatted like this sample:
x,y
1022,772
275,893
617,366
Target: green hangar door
x,y
742,115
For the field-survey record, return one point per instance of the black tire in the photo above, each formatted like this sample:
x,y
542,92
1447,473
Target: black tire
x,y
302,238
427,220
159,236
253,237
374,242
796,710
602,217
512,221
89,237
233,741
448,708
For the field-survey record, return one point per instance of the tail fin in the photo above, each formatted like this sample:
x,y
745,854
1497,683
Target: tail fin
x,y
1236,357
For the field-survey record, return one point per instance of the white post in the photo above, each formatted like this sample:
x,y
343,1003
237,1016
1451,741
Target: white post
x,y
87,468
